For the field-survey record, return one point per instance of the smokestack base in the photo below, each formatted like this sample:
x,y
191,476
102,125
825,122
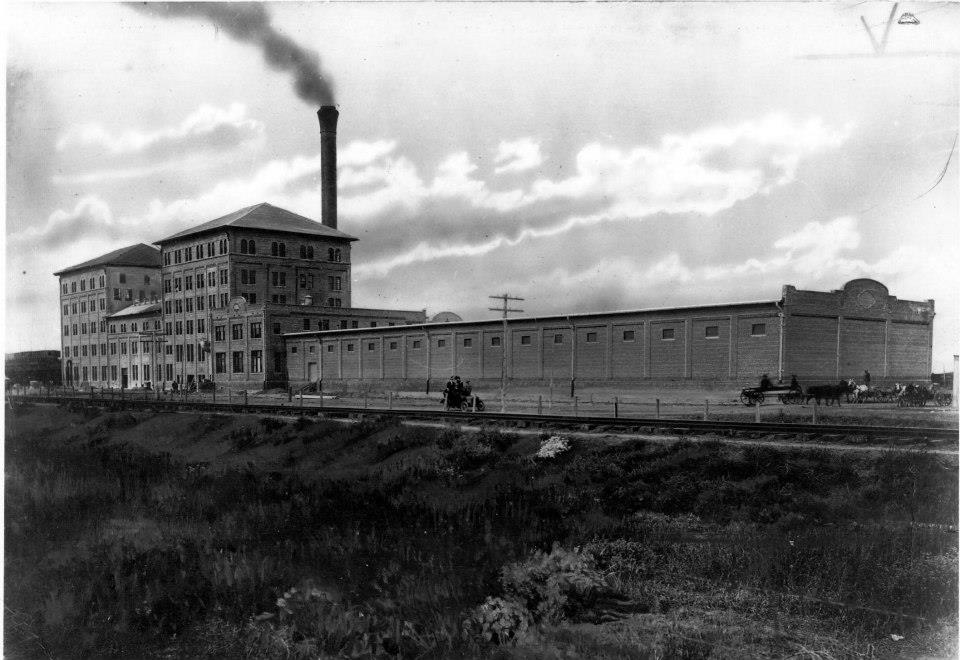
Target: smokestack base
x,y
328,116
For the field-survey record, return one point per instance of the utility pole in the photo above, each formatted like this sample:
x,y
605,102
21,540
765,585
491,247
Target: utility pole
x,y
505,298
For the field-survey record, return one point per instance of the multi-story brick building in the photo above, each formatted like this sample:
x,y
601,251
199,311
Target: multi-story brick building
x,y
136,344
233,286
89,293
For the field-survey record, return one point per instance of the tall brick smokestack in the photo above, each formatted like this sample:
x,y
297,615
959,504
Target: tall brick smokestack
x,y
328,164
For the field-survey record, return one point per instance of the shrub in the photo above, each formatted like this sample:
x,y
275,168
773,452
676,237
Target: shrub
x,y
498,620
553,447
563,585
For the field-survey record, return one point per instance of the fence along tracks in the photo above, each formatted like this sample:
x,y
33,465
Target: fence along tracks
x,y
596,423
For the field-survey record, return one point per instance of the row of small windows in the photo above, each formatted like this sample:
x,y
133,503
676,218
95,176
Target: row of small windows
x,y
71,287
104,373
186,283
201,250
666,334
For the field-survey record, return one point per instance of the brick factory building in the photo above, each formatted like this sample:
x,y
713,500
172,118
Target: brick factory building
x,y
261,297
818,336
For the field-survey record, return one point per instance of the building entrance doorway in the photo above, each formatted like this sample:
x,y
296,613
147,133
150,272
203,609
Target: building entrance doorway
x,y
312,372
123,379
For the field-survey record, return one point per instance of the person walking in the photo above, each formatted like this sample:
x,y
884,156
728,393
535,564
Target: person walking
x,y
866,378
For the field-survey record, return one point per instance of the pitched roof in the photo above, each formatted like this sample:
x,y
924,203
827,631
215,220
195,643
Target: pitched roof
x,y
137,308
263,216
140,254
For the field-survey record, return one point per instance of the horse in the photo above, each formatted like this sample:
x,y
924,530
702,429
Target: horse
x,y
858,393
828,393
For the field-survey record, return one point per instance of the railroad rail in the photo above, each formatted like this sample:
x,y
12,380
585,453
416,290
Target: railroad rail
x,y
591,422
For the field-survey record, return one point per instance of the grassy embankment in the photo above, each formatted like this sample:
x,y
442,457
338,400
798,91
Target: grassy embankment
x,y
283,538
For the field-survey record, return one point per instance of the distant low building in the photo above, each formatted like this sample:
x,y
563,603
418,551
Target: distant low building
x,y
41,366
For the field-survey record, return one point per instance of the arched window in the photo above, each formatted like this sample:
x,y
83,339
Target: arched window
x,y
303,251
337,256
330,254
309,252
283,249
274,250
252,246
243,246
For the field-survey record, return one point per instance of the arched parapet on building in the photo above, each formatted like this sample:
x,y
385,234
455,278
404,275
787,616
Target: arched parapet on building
x,y
860,327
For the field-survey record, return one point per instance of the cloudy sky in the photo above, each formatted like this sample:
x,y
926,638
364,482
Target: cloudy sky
x,y
582,156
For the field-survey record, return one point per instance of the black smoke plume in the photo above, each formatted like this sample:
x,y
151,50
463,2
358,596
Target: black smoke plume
x,y
250,23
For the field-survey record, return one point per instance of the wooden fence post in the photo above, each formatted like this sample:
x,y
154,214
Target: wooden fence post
x,y
658,408
616,406
575,406
539,404
757,407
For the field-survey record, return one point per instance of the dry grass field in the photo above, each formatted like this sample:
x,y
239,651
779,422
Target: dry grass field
x,y
138,535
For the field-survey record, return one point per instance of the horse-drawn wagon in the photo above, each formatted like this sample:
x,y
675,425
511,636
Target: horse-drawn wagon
x,y
750,396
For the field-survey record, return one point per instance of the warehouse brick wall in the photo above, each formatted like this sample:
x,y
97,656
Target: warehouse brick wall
x,y
734,343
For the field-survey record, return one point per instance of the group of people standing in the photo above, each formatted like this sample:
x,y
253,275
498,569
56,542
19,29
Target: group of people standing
x,y
455,392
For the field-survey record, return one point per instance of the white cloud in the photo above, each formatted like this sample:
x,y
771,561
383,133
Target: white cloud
x,y
704,172
207,126
517,156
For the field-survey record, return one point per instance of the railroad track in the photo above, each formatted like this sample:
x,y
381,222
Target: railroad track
x,y
596,423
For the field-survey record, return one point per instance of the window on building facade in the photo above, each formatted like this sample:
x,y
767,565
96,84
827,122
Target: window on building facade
x,y
711,331
178,327
190,350
83,285
123,348
83,307
189,303
370,346
146,279
166,258
201,326
200,304
495,341
243,277
224,299
93,350
349,348
252,247
256,330
178,352
167,286
220,362
306,324
212,301
558,339
238,362
178,306
103,304
667,334
201,280
393,346
223,277
133,347
354,324
102,281
123,278
177,256
113,372
441,343
525,340
103,373
416,343
168,328
343,325
129,294
324,324
116,294
189,326
236,331
276,328
169,371
329,348
73,287
146,372
177,284
243,246
758,330
256,361
188,282
83,351
629,335
591,337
